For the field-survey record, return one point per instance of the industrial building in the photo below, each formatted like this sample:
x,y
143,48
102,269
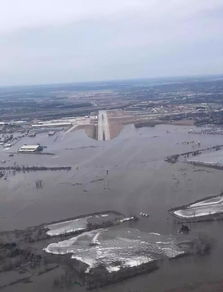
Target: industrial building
x,y
30,148
50,124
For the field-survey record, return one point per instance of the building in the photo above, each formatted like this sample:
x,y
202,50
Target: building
x,y
52,124
30,148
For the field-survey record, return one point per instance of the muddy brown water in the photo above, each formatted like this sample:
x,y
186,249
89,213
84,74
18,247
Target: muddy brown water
x,y
138,179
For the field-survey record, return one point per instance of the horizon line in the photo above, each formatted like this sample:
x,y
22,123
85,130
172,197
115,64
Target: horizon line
x,y
113,80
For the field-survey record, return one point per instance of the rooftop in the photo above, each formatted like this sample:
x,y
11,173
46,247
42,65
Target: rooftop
x,y
31,148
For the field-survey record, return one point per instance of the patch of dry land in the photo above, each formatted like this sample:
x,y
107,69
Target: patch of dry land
x,y
210,208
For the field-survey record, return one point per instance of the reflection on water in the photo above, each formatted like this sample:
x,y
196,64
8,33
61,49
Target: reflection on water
x,y
39,184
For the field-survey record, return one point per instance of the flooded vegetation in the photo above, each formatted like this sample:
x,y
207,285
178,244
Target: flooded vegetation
x,y
85,223
105,256
104,176
55,230
98,249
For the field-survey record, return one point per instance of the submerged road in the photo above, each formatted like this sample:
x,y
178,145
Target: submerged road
x,y
103,126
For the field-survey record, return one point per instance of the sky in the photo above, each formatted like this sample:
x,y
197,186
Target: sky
x,y
53,41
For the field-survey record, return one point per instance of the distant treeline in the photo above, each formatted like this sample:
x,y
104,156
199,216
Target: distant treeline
x,y
35,168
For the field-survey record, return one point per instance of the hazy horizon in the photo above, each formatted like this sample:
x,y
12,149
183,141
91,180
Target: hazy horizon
x,y
159,79
53,41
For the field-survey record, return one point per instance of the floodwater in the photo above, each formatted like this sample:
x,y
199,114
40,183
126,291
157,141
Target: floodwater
x,y
213,158
127,174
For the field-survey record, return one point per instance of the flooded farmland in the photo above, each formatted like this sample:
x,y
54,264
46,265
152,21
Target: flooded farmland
x,y
128,174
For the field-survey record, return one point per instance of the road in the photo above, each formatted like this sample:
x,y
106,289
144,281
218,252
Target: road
x,y
103,126
71,128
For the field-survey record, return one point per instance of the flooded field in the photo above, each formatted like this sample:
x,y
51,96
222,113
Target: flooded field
x,y
83,223
127,174
210,208
109,255
209,158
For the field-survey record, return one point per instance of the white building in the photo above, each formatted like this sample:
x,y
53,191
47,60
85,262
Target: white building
x,y
30,148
